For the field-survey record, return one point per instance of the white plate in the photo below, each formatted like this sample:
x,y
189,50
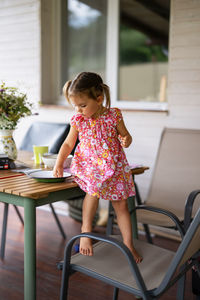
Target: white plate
x,y
47,176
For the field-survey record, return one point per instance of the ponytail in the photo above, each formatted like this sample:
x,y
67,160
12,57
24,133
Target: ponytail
x,y
106,91
66,89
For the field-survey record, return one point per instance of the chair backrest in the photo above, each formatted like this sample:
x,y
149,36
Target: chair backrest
x,y
177,169
189,246
47,134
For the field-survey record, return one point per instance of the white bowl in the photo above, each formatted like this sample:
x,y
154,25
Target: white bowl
x,y
50,159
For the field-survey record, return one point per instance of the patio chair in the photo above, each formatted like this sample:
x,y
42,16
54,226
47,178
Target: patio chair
x,y
53,135
50,134
176,173
113,263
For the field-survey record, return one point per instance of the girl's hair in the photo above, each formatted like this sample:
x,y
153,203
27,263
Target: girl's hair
x,y
87,83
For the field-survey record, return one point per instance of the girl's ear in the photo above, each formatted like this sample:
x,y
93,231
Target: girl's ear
x,y
100,99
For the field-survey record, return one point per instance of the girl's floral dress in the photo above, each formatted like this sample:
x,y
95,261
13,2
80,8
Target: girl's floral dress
x,y
99,165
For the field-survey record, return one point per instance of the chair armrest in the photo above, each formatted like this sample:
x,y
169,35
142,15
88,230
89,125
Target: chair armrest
x,y
100,238
167,213
188,208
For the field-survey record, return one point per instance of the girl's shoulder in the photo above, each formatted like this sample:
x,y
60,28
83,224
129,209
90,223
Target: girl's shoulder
x,y
76,121
116,114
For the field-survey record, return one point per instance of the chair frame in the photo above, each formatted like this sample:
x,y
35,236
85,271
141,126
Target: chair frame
x,y
142,290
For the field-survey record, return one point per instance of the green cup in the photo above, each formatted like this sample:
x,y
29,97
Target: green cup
x,y
38,151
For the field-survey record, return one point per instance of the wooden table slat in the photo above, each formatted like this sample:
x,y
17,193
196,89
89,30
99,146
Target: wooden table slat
x,y
36,187
14,179
23,186
42,193
15,184
10,176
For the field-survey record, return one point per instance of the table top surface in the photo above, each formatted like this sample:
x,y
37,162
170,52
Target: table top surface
x,y
22,185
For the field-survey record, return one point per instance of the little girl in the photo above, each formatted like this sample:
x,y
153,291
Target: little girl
x,y
99,165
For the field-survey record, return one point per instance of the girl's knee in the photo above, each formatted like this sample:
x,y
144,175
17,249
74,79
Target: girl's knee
x,y
91,197
121,204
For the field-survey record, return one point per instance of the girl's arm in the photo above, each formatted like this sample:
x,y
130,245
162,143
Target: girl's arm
x,y
64,151
124,135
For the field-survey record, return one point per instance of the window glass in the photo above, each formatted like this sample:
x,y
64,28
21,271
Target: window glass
x,y
143,51
83,38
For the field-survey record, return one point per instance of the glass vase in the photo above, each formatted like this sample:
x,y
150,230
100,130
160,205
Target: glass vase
x,y
7,144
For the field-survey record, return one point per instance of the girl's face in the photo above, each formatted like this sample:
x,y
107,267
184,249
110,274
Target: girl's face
x,y
86,106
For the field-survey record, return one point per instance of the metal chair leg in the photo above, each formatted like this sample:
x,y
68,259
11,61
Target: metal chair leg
x,y
19,214
4,228
148,234
181,287
115,294
139,202
58,222
109,228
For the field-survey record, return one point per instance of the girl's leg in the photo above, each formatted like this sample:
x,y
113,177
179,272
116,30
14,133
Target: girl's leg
x,y
90,204
124,223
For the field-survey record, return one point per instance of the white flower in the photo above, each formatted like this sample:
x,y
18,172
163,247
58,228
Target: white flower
x,y
114,197
127,169
120,186
115,158
97,176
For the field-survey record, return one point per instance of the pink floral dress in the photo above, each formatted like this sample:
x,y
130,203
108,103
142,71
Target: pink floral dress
x,y
99,165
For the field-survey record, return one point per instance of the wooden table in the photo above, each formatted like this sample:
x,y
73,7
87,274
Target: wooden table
x,y
20,190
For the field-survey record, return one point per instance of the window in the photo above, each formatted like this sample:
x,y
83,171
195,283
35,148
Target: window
x,y
126,41
83,38
141,53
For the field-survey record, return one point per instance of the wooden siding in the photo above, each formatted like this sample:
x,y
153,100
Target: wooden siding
x,y
184,66
20,45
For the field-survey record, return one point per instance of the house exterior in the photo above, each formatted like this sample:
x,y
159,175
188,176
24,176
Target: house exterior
x,y
30,58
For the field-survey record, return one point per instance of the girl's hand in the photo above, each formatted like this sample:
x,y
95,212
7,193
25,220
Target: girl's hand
x,y
125,140
64,151
58,171
124,135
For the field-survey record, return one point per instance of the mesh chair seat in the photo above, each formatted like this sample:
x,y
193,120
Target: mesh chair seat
x,y
116,268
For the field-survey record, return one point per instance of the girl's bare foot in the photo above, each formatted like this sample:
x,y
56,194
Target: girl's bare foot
x,y
86,247
138,258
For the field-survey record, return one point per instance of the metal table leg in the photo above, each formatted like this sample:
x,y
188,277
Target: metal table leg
x,y
131,207
4,228
29,249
